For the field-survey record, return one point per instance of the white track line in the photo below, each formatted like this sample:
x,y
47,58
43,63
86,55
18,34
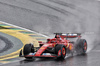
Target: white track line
x,y
24,29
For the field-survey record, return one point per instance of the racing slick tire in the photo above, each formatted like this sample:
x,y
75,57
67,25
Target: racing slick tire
x,y
81,46
28,48
60,51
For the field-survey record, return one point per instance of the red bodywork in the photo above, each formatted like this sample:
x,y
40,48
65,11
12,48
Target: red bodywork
x,y
61,39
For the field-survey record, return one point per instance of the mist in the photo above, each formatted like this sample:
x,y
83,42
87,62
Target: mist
x,y
50,16
78,16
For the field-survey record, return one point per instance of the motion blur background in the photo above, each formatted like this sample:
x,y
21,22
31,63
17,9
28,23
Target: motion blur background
x,y
50,16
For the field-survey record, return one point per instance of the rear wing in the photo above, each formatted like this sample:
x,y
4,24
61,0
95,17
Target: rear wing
x,y
69,35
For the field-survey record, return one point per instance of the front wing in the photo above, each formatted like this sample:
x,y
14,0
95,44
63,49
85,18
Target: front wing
x,y
43,55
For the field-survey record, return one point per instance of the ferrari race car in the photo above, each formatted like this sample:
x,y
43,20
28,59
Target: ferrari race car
x,y
59,46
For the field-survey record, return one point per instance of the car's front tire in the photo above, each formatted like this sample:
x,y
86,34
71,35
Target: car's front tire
x,y
60,51
28,48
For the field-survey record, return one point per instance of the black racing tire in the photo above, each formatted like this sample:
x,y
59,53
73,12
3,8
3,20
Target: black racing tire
x,y
60,51
28,48
20,54
81,46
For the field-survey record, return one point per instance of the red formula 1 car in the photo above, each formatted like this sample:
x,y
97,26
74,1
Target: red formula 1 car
x,y
58,47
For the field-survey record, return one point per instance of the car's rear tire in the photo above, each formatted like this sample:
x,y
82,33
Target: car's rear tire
x,y
28,48
60,51
81,46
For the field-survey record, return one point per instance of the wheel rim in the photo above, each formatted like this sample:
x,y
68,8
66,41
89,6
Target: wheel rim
x,y
63,51
59,53
85,46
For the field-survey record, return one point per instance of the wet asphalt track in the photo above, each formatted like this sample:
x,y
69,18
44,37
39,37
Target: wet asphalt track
x,y
90,59
5,44
9,44
49,16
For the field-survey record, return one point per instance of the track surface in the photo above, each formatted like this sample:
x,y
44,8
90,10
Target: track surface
x,y
49,16
12,44
5,44
91,59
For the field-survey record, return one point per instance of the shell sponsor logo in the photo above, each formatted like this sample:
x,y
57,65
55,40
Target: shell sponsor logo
x,y
54,45
70,47
42,48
